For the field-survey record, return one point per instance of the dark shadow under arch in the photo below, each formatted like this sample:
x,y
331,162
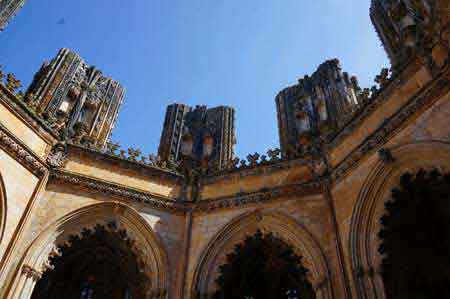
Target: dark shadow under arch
x,y
263,267
415,237
281,225
149,247
369,207
101,263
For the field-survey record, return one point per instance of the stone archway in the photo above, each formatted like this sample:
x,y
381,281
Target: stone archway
x,y
263,267
130,231
283,227
415,242
365,225
101,263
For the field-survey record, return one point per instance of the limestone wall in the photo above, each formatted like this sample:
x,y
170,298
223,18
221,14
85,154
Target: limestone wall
x,y
23,131
59,201
306,215
19,185
423,143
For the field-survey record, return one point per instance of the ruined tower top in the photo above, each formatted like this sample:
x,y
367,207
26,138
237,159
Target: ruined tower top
x,y
408,27
317,105
8,9
81,103
202,134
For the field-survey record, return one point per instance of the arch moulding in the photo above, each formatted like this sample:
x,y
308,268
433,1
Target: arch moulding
x,y
281,225
369,207
147,247
3,208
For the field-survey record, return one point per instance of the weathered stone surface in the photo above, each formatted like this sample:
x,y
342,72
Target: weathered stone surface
x,y
326,201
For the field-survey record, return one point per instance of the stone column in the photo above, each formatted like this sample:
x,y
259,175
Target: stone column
x,y
28,278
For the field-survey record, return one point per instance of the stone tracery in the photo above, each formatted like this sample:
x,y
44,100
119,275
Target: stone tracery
x,y
111,234
281,227
366,260
263,266
104,257
414,243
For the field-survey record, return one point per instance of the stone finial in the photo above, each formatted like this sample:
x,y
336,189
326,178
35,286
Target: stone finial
x,y
12,83
2,75
382,79
133,154
112,147
153,160
274,155
253,159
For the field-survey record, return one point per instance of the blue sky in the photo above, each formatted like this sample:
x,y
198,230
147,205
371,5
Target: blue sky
x,y
212,52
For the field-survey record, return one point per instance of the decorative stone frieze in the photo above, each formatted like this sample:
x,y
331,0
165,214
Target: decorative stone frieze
x,y
20,152
117,191
182,207
259,197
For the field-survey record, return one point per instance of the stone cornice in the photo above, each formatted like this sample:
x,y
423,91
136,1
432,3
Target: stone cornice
x,y
260,169
181,207
428,95
258,197
126,163
116,190
22,111
21,152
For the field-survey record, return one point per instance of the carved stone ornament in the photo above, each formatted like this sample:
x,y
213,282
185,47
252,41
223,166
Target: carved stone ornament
x,y
162,203
58,156
389,127
20,152
32,273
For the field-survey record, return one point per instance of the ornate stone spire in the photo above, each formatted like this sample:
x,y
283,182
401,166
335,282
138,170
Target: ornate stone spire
x,y
204,135
317,105
8,9
81,102
408,27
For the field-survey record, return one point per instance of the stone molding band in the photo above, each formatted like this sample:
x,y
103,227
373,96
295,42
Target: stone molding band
x,y
19,151
391,125
162,203
116,190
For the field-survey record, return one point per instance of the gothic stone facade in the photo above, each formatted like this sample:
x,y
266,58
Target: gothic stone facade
x,y
324,196
8,9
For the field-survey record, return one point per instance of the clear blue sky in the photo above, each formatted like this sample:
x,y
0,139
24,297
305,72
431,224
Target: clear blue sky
x,y
215,52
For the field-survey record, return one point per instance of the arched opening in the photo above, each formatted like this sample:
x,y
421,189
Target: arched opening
x,y
284,229
100,263
415,242
263,266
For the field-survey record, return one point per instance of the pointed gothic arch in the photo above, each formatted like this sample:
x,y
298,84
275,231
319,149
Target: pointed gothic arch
x,y
280,225
414,237
369,208
47,246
